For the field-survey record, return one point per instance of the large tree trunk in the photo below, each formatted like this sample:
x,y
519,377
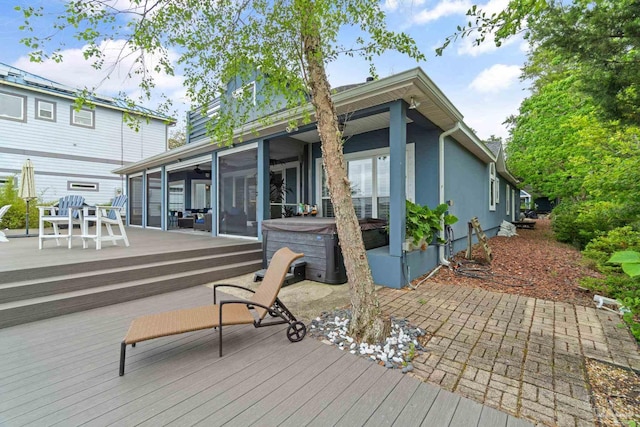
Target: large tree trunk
x,y
366,323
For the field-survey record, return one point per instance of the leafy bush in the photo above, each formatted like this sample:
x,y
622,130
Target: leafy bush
x,y
600,249
423,223
17,213
579,223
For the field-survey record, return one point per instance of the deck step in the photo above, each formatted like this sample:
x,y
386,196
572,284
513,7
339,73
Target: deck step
x,y
60,283
43,272
43,307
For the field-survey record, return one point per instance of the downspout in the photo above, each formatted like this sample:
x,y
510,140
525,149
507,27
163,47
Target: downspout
x,y
443,135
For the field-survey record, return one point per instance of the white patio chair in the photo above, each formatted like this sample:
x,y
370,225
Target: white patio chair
x,y
107,215
64,213
3,210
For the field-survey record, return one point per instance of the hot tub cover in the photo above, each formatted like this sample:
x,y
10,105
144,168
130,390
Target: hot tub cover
x,y
318,225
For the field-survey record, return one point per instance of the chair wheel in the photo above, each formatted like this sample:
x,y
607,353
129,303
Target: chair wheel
x,y
296,331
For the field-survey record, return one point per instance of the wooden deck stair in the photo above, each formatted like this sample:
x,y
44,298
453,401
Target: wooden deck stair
x,y
38,293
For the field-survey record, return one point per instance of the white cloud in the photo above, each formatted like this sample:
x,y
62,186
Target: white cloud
x,y
442,9
496,78
114,77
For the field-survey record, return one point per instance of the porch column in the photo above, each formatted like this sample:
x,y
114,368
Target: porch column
x,y
263,204
397,151
215,210
164,199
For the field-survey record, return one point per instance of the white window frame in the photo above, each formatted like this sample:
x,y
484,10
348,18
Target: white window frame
x,y
82,186
74,113
507,201
239,92
23,112
410,174
492,186
42,102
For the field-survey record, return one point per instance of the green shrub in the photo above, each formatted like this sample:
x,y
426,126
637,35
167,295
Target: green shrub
x,y
579,223
16,215
600,249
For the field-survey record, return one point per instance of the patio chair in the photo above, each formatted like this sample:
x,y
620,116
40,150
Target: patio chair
x,y
66,212
3,210
231,312
107,215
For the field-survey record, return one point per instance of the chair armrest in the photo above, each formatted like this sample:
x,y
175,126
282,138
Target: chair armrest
x,y
229,286
43,209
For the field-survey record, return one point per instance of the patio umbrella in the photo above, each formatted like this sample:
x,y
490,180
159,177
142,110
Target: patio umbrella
x,y
27,186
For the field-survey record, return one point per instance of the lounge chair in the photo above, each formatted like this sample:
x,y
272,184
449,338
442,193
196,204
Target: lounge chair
x,y
107,215
63,213
232,312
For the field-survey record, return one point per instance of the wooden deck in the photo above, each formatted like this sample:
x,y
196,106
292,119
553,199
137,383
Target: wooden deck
x,y
65,370
22,252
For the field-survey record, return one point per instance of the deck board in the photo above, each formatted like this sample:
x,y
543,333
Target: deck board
x,y
65,370
389,410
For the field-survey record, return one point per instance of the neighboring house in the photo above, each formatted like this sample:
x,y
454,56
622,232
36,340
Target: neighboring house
x,y
404,140
73,152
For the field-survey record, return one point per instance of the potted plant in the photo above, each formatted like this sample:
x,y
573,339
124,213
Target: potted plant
x,y
422,223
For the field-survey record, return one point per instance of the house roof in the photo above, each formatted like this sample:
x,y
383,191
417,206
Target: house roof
x,y
12,76
430,101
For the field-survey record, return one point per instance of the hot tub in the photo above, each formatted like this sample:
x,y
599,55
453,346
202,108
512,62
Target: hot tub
x,y
317,238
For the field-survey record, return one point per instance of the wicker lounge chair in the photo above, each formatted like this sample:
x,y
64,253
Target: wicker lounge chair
x,y
232,312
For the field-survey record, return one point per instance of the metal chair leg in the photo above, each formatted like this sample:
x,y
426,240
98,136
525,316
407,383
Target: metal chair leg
x,y
123,352
220,338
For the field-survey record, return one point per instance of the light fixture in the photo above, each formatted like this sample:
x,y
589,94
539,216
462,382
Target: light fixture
x,y
413,104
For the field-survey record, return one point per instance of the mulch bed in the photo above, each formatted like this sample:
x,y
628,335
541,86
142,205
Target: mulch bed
x,y
532,264
615,393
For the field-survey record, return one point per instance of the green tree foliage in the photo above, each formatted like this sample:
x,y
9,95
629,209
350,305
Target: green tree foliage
x,y
177,138
599,39
214,42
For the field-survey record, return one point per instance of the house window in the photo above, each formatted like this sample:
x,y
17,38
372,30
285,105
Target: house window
x,y
82,186
369,173
497,190
84,118
11,179
13,107
241,92
492,186
507,201
45,110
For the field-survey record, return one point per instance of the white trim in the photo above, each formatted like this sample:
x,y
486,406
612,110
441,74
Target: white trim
x,y
385,151
507,201
492,186
188,163
154,170
244,147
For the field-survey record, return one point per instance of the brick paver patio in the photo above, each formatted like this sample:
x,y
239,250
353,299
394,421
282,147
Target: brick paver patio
x,y
522,355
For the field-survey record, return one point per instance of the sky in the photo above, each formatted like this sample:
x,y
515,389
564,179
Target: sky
x,y
483,82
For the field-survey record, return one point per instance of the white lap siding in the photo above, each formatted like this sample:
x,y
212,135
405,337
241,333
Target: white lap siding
x,y
64,153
